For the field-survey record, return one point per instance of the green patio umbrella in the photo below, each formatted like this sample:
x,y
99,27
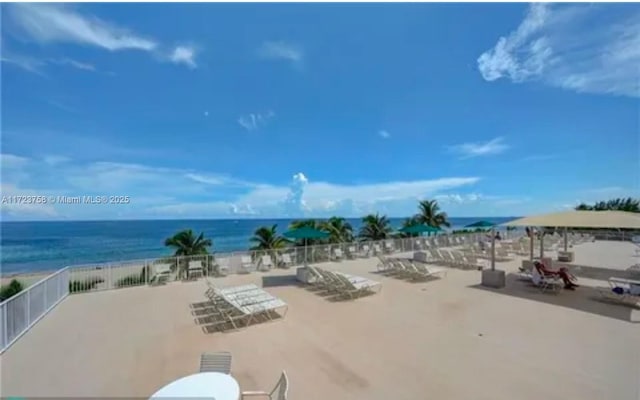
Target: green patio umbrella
x,y
305,232
481,224
487,224
419,228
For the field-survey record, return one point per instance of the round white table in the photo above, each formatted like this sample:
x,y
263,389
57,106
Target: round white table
x,y
205,385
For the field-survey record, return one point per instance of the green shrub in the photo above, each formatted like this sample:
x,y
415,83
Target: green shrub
x,y
134,279
85,285
7,291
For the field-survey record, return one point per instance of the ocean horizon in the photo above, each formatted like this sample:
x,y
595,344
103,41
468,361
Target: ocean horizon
x,y
32,246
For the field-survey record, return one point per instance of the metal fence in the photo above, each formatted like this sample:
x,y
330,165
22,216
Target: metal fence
x,y
122,274
19,313
114,275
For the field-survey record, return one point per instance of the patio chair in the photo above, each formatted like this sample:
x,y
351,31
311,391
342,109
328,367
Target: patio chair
x,y
216,362
376,249
385,264
546,283
623,291
223,267
337,254
161,274
364,251
195,268
279,392
266,263
389,246
354,287
285,260
418,244
351,252
427,271
246,265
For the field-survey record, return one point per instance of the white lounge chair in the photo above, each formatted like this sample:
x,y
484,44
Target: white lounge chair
x,y
623,291
246,265
337,254
279,392
389,246
385,264
266,263
364,251
240,306
427,271
377,249
161,273
285,260
354,287
546,283
216,362
195,268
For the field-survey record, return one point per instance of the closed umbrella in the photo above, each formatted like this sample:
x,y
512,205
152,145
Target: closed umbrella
x,y
487,224
304,233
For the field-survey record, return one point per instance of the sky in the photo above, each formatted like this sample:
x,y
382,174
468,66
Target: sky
x,y
313,110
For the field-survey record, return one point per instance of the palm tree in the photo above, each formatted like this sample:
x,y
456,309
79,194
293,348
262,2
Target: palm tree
x,y
266,238
339,229
186,243
375,227
628,204
429,213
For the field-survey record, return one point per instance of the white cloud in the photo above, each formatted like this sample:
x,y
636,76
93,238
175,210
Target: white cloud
x,y
585,48
478,149
170,192
75,64
55,160
254,121
384,134
9,161
53,23
28,64
280,50
184,55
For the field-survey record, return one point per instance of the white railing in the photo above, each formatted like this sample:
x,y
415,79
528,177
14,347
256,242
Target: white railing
x,y
19,313
114,275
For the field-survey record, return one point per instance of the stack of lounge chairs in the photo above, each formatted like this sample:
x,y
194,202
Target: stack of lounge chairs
x,y
457,259
342,285
240,306
407,269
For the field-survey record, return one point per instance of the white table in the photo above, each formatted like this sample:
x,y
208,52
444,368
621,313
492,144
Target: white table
x,y
205,385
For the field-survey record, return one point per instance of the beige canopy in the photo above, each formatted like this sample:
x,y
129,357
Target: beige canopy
x,y
581,219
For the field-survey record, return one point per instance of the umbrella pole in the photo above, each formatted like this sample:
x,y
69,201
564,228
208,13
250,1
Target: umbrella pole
x,y
531,236
493,250
565,239
541,244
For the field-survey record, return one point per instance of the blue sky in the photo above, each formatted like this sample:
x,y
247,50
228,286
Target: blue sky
x,y
277,110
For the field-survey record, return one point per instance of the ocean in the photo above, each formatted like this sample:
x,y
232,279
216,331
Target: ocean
x,y
41,246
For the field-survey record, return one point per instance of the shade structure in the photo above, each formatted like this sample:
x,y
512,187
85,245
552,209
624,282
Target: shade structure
x,y
419,228
305,232
481,224
581,219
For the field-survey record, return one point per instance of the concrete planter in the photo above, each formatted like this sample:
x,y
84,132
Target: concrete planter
x,y
565,256
493,278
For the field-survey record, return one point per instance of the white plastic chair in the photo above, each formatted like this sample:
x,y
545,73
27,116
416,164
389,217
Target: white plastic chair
x,y
279,392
